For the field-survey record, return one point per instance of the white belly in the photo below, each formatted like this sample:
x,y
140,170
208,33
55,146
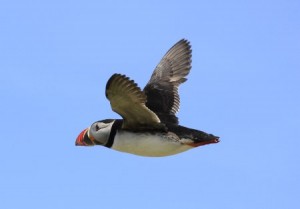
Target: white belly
x,y
152,145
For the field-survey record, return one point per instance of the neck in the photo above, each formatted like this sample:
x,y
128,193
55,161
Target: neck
x,y
115,127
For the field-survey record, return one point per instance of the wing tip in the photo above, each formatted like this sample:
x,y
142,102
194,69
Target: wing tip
x,y
185,42
109,82
121,81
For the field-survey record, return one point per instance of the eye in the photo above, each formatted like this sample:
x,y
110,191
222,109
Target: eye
x,y
97,127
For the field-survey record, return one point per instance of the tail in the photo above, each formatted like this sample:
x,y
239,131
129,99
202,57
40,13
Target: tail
x,y
199,138
208,139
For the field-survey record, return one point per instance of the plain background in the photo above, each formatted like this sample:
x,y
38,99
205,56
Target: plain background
x,y
55,59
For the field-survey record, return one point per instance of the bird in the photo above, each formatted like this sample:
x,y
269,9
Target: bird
x,y
149,126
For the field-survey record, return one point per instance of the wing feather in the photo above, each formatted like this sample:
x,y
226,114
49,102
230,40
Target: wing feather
x,y
162,88
127,99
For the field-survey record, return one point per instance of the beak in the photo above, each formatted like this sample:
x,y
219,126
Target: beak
x,y
80,138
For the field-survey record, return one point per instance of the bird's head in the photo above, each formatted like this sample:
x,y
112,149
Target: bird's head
x,y
97,134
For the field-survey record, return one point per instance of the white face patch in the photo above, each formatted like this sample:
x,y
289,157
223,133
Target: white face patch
x,y
99,125
100,131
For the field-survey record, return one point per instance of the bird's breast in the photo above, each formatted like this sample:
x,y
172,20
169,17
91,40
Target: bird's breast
x,y
148,143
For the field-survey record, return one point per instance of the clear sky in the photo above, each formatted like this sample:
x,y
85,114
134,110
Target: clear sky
x,y
55,59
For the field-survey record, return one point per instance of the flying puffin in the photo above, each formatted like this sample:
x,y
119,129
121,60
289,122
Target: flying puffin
x,y
149,126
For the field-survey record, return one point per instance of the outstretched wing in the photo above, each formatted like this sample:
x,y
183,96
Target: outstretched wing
x,y
162,88
127,99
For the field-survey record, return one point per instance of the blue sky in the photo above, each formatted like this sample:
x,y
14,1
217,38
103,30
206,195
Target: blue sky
x,y
55,59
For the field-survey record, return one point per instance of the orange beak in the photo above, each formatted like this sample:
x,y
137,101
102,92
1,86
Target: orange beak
x,y
80,139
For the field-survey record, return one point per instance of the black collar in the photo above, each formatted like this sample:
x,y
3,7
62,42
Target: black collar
x,y
115,127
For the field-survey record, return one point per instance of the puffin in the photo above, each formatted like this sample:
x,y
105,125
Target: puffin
x,y
149,125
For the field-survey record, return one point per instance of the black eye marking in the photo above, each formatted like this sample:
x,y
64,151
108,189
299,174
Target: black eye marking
x,y
97,127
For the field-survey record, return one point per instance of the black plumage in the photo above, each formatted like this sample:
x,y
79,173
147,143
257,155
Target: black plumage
x,y
162,88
